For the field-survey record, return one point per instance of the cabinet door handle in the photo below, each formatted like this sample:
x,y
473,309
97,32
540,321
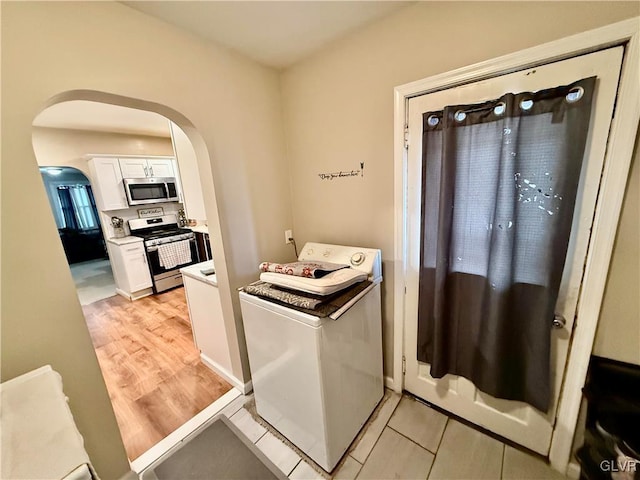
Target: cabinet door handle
x,y
146,174
151,170
144,258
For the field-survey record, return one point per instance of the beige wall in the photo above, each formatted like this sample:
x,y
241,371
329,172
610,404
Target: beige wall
x,y
618,335
338,107
189,174
234,104
60,146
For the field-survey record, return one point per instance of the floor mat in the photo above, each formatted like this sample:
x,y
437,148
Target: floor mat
x,y
220,451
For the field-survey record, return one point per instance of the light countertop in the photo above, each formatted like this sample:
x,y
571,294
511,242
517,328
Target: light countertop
x,y
124,240
199,229
193,271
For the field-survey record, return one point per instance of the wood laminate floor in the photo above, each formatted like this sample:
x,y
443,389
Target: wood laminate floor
x,y
151,367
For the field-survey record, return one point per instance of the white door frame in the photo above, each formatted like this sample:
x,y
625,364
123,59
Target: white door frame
x,y
612,188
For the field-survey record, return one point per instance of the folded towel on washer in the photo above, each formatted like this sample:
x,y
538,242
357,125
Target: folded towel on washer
x,y
319,305
302,269
173,254
330,283
290,297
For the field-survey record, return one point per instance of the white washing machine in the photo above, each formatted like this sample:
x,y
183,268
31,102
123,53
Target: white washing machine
x,y
317,380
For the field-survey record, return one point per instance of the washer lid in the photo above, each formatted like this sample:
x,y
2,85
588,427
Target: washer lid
x,y
367,260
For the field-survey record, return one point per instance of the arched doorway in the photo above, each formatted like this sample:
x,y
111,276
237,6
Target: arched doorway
x,y
145,349
74,209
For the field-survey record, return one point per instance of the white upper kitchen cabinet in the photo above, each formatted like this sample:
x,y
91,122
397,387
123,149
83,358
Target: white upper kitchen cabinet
x,y
134,167
146,167
161,167
106,180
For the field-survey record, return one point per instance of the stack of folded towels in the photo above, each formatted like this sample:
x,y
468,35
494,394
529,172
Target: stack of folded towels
x,y
308,285
320,278
302,269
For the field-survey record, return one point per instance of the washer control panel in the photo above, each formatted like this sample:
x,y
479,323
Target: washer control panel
x,y
365,259
358,258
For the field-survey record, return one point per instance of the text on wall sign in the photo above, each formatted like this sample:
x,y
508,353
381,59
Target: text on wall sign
x,y
343,173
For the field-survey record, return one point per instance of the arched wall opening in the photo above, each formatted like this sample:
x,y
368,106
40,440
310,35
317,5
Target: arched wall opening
x,y
73,206
236,340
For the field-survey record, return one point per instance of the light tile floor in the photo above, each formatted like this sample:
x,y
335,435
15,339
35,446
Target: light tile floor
x,y
94,280
406,440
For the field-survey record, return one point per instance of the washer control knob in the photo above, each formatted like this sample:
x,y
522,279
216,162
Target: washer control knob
x,y
310,251
357,258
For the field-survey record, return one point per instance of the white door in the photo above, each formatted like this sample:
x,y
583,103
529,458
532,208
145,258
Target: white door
x,y
516,421
160,167
134,167
107,182
136,266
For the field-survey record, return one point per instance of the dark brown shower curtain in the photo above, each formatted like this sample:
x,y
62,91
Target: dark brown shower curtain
x,y
499,188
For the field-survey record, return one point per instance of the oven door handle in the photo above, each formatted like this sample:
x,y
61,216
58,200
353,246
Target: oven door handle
x,y
155,247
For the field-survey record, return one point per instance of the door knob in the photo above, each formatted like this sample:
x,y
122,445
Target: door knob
x,y
558,321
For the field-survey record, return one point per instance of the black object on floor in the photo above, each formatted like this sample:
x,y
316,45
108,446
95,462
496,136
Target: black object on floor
x,y
220,451
611,446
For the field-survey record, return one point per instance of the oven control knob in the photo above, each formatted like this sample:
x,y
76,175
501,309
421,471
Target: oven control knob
x,y
357,258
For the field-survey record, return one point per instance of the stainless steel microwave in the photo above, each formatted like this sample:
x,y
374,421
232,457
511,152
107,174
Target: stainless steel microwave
x,y
142,191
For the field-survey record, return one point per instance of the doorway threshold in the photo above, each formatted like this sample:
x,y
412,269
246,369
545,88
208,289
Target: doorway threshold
x,y
168,444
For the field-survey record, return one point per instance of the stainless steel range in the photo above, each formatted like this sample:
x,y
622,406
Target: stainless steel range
x,y
168,249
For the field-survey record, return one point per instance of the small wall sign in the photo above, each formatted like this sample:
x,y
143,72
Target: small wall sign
x,y
343,173
150,212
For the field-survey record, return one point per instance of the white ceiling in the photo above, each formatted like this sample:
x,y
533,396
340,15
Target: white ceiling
x,y
102,117
274,33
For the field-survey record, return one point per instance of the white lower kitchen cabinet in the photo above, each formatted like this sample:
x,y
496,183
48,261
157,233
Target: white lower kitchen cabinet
x,y
130,267
207,322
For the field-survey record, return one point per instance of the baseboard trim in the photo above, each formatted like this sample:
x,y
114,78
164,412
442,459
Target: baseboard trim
x,y
130,475
245,388
124,294
139,294
390,383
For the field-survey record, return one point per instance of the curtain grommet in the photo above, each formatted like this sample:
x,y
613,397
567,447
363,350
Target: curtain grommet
x,y
500,108
526,104
574,94
433,120
459,116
